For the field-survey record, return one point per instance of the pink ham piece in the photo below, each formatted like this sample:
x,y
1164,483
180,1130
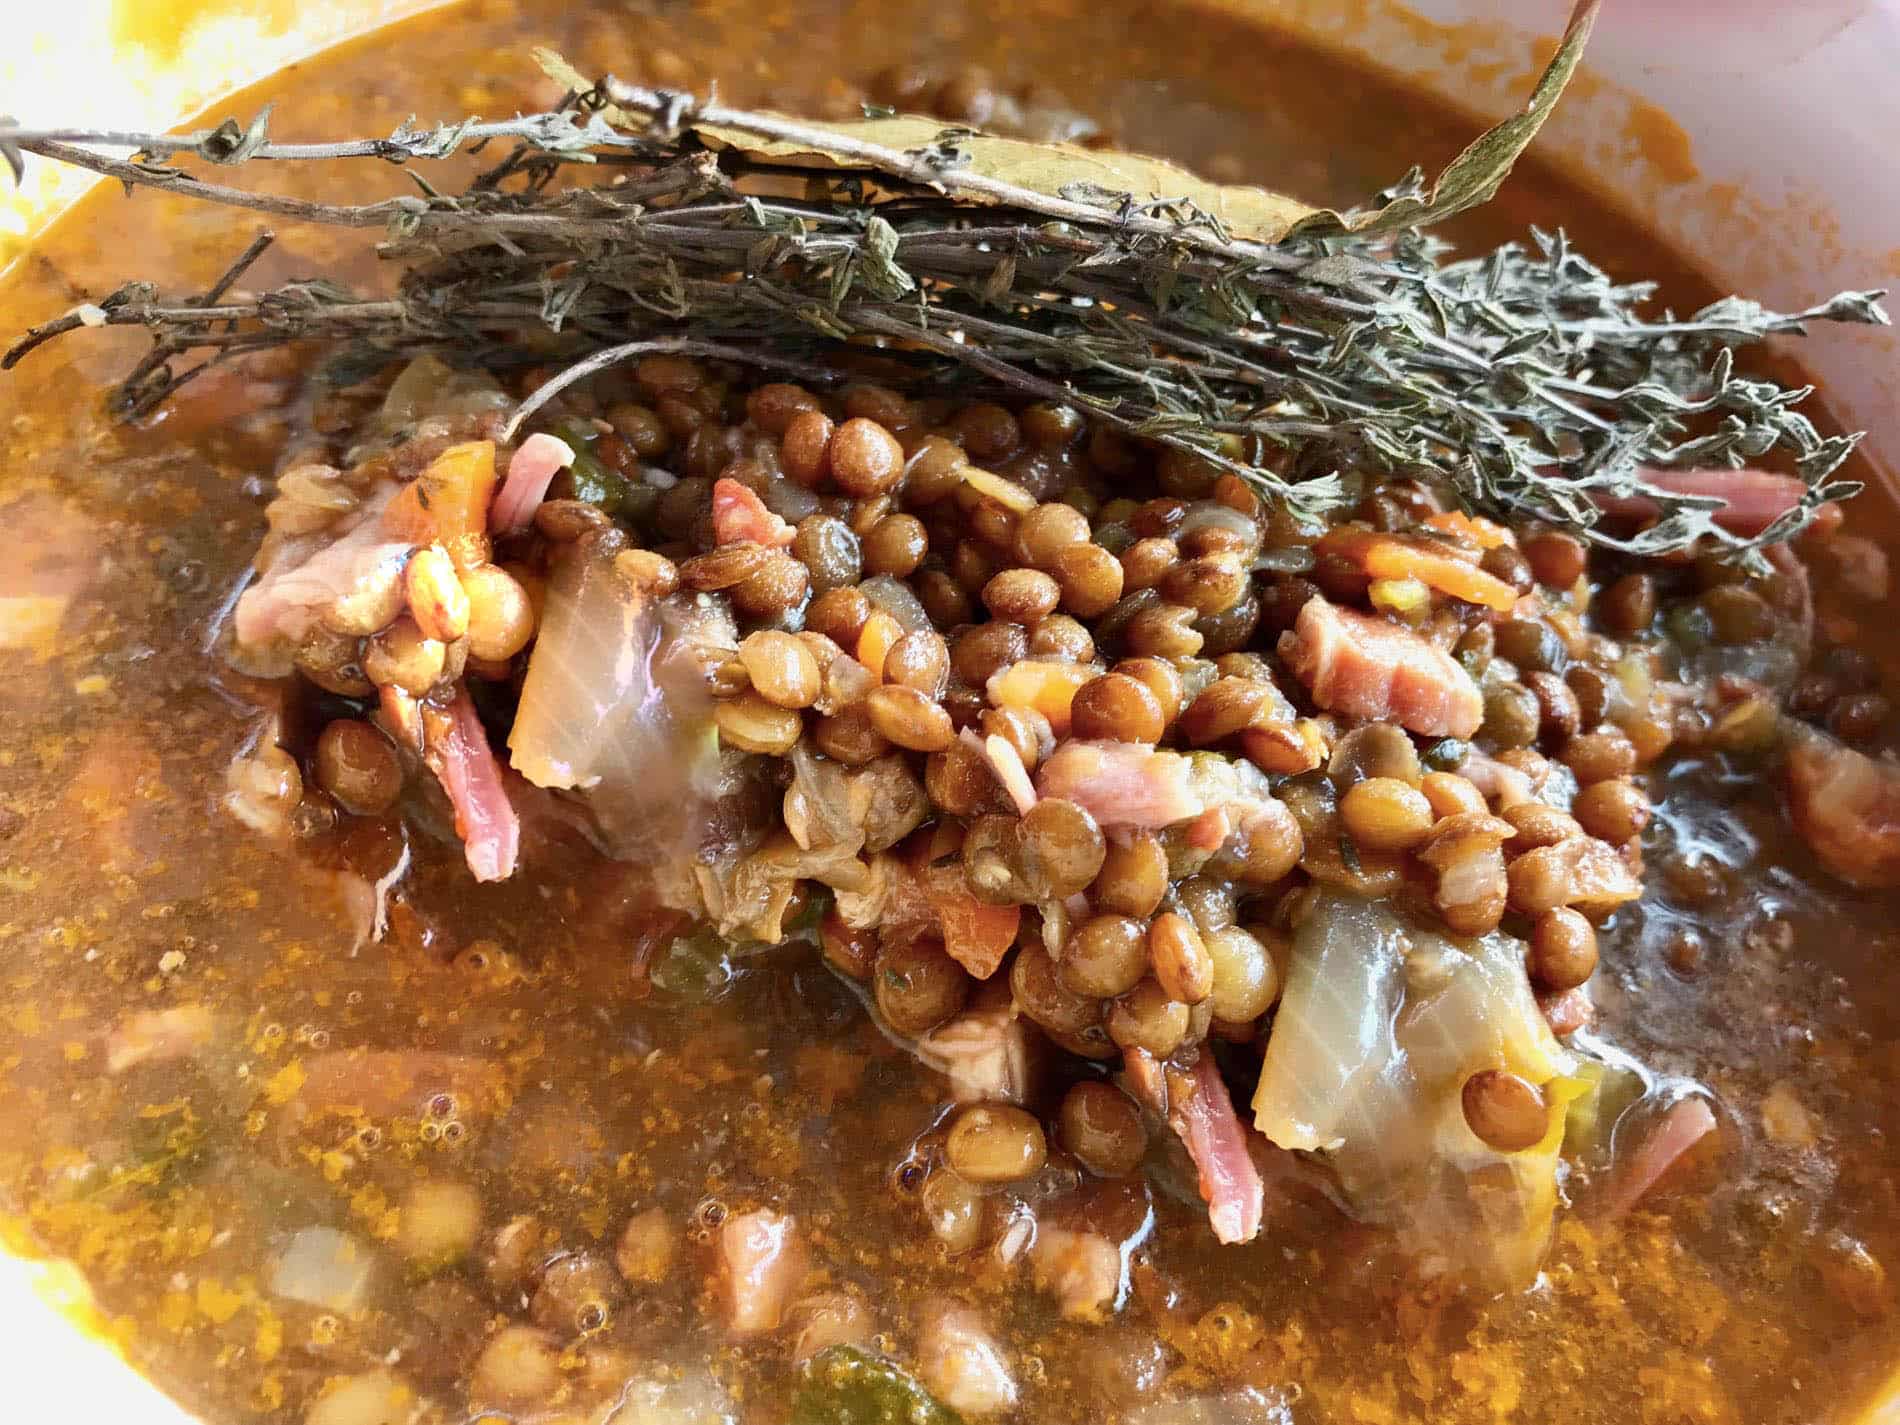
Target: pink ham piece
x,y
457,752
531,469
1007,763
1687,1122
761,1264
1202,1116
740,516
1366,667
1121,784
1755,498
1846,806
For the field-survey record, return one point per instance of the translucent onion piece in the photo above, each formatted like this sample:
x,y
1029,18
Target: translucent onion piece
x,y
1379,1027
613,707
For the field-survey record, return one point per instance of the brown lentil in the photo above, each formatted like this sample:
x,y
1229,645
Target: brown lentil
x,y
1599,756
1450,794
848,736
920,661
359,767
652,574
1224,708
781,668
1246,982
990,433
1046,531
1101,1128
1117,708
917,985
957,779
724,567
1106,955
778,586
1628,605
909,718
1557,559
1039,992
1507,1112
1145,1018
1021,595
804,448
1063,848
895,545
978,653
1090,579
1164,631
934,471
995,1143
1563,950
828,549
1182,965
1386,814
1612,810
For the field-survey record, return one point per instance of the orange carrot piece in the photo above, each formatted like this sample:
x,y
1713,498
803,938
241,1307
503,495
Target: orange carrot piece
x,y
875,641
1385,556
1043,684
976,935
1486,534
448,501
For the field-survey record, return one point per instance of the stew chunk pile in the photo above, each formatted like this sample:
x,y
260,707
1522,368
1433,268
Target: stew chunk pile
x,y
1123,795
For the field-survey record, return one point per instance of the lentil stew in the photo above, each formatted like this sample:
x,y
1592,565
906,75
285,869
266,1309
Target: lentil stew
x,y
762,904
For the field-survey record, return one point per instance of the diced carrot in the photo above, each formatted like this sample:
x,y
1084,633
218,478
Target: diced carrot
x,y
875,641
1385,556
449,500
1486,534
1043,684
976,935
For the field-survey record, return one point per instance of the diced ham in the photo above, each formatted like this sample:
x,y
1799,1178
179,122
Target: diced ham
x,y
1202,1116
1082,1270
1846,806
457,752
1687,1122
1209,830
359,569
762,1263
531,469
962,1364
1367,667
1755,499
984,1052
158,1036
1121,784
740,516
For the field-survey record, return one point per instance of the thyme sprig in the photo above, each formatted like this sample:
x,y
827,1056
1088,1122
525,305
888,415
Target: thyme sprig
x,y
1525,380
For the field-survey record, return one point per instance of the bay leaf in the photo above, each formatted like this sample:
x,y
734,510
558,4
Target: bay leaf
x,y
1065,181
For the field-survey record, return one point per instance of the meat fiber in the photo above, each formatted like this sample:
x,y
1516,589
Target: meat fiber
x,y
1367,667
457,752
1202,1115
1121,784
1846,806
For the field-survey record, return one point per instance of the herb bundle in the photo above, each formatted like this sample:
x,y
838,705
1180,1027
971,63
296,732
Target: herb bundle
x,y
1297,348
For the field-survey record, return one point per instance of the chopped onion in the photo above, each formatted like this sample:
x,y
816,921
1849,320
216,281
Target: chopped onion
x,y
1379,1026
613,708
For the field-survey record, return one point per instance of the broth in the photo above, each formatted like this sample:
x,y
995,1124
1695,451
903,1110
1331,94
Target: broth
x,y
1752,1290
